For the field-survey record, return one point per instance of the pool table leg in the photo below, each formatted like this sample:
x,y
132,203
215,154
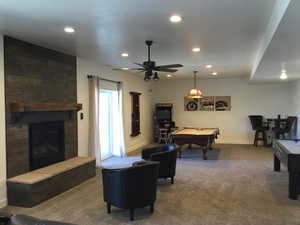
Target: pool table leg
x,y
180,151
211,141
204,150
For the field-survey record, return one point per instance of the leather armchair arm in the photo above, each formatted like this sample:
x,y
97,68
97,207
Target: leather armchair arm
x,y
4,218
147,152
158,156
167,161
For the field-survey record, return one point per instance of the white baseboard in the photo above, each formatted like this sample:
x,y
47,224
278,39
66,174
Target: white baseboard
x,y
3,202
234,142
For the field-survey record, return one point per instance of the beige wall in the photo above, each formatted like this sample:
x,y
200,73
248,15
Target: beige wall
x,y
264,99
2,130
131,83
295,102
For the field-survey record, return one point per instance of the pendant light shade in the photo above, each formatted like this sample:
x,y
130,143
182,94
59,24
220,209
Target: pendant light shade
x,y
194,92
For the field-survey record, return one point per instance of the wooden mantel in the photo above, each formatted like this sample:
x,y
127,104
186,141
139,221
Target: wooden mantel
x,y
43,107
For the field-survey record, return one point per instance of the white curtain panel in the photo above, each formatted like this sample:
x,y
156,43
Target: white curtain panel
x,y
123,151
94,134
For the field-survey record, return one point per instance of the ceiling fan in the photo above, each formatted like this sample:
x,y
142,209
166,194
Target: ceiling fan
x,y
150,66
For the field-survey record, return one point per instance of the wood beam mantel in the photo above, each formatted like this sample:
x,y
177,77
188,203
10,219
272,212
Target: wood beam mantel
x,y
43,107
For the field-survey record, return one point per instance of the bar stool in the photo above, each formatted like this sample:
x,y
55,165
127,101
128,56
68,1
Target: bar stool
x,y
259,128
163,135
280,132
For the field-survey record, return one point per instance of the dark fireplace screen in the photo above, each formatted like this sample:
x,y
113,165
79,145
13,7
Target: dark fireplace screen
x,y
46,144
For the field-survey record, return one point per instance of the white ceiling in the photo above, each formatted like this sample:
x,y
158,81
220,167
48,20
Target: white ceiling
x,y
284,48
229,32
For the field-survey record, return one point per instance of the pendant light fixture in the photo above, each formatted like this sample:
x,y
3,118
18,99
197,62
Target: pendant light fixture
x,y
194,92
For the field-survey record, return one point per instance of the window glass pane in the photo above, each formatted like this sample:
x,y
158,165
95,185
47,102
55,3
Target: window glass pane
x,y
104,125
109,123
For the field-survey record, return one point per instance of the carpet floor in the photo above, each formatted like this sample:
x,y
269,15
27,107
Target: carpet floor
x,y
236,186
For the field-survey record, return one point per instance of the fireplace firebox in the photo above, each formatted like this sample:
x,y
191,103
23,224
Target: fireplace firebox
x,y
47,144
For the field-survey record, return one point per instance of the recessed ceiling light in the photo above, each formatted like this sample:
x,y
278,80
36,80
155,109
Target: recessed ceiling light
x,y
283,75
214,73
175,18
125,68
169,76
196,49
69,29
208,66
124,54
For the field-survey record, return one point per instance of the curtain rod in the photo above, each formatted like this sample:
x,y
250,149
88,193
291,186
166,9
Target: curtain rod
x,y
112,81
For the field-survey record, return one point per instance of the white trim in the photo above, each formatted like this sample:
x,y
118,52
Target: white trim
x,y
3,202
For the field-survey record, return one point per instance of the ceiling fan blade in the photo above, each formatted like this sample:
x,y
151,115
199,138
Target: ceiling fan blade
x,y
139,65
165,69
170,66
127,69
137,69
117,69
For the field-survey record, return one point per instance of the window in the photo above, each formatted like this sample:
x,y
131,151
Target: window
x,y
109,123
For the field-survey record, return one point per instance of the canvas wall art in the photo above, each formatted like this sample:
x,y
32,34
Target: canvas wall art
x,y
191,104
222,103
207,103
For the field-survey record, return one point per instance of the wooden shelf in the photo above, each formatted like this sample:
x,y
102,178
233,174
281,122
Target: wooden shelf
x,y
44,107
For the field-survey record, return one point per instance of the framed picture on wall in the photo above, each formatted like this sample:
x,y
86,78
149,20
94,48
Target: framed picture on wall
x,y
207,103
222,103
191,104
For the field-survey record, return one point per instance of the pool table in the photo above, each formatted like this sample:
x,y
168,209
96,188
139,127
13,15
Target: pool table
x,y
204,137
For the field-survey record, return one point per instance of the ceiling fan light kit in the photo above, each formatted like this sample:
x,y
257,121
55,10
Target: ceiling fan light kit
x,y
156,77
148,75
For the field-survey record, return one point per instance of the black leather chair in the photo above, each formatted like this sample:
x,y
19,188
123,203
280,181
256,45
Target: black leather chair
x,y
131,188
8,219
260,129
166,155
147,152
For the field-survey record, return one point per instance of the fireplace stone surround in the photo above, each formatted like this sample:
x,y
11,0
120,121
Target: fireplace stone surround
x,y
35,74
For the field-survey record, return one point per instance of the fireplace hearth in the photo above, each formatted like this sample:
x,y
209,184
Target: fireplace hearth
x,y
46,144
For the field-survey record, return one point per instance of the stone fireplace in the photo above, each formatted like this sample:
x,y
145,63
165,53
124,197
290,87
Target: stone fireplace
x,y
41,106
